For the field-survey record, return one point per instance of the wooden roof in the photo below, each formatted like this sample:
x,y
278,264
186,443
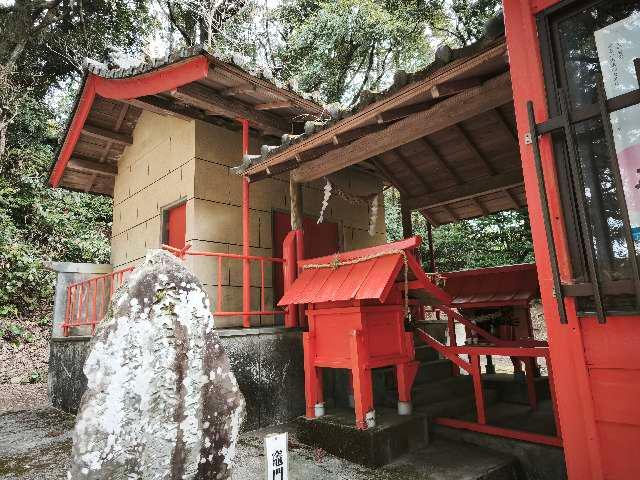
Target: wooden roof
x,y
446,140
366,274
190,85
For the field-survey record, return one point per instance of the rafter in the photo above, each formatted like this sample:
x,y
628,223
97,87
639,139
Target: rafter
x,y
212,102
382,168
400,157
480,206
504,124
512,198
106,135
433,153
450,111
449,212
454,86
486,185
86,166
272,105
162,106
468,143
238,90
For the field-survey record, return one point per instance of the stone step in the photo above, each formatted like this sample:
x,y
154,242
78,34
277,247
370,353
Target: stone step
x,y
513,388
433,371
456,406
444,459
392,436
437,330
433,392
425,353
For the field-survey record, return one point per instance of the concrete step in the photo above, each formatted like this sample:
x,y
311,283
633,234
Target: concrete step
x,y
433,392
535,461
458,406
437,330
392,436
424,353
443,459
513,388
433,371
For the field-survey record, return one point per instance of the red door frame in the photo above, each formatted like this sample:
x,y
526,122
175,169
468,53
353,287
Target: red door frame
x,y
587,454
176,226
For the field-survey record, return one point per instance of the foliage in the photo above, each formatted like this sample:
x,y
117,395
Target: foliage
x,y
41,52
342,47
468,18
499,239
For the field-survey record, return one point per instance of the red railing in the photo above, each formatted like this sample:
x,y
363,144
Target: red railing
x,y
525,350
219,258
88,301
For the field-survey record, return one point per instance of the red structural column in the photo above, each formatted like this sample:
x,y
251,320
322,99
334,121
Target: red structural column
x,y
246,264
570,375
290,273
362,382
312,378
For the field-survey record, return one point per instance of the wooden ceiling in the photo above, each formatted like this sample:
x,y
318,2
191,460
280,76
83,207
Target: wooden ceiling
x,y
224,95
448,142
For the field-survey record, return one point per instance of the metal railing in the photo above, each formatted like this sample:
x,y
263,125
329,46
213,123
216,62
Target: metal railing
x,y
220,258
525,350
88,301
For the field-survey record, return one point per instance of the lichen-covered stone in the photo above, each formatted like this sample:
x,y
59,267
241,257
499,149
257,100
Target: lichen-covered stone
x,y
161,400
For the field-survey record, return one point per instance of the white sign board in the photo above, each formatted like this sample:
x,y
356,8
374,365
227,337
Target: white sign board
x,y
277,456
618,45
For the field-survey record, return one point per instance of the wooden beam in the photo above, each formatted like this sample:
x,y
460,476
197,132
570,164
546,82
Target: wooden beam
x,y
351,135
382,168
162,106
486,185
107,135
402,112
454,86
429,218
398,156
238,90
295,196
86,166
468,143
480,205
512,198
405,213
450,111
209,100
450,212
433,153
272,105
502,121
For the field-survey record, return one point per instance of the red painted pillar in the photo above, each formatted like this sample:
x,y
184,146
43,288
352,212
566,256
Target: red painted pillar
x,y
570,375
246,264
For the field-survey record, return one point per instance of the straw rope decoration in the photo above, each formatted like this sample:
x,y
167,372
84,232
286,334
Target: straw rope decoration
x,y
336,263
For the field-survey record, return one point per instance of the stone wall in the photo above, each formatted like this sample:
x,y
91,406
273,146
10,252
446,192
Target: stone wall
x,y
267,362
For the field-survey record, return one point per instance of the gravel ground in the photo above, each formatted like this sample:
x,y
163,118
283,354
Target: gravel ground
x,y
36,445
19,362
23,397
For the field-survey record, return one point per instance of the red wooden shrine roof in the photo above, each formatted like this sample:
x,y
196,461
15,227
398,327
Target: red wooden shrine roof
x,y
371,278
511,285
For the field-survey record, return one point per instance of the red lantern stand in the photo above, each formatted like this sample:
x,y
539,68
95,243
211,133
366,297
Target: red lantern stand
x,y
357,303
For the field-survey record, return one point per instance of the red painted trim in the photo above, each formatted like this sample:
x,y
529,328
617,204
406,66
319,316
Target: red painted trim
x,y
501,432
151,83
246,265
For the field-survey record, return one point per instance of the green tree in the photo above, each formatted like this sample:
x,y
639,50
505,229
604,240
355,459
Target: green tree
x,y
343,47
502,238
42,48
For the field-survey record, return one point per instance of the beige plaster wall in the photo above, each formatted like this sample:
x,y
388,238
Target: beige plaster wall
x,y
172,160
215,222
157,170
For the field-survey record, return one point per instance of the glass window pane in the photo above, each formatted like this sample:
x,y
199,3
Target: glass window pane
x,y
603,210
579,53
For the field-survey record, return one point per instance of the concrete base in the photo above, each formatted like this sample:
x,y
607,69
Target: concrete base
x,y
392,437
267,362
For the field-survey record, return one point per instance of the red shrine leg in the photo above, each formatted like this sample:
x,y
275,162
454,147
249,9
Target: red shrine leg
x,y
362,383
530,364
312,377
405,374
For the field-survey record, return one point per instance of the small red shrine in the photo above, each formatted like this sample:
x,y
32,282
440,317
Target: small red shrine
x,y
357,306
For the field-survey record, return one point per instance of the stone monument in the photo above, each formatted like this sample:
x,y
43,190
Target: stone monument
x,y
162,401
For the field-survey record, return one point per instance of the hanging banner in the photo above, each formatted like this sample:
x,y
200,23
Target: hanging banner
x,y
618,45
